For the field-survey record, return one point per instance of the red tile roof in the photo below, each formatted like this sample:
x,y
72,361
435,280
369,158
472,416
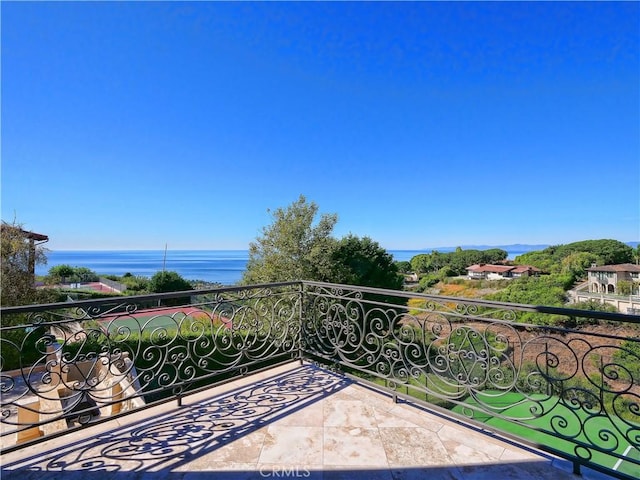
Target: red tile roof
x,y
525,268
622,267
490,268
482,268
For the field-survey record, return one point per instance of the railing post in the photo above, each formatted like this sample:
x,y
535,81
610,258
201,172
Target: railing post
x,y
301,320
576,468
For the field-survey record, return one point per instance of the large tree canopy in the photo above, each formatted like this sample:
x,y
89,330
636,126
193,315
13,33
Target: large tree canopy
x,y
297,247
603,252
458,261
67,273
362,261
293,247
167,281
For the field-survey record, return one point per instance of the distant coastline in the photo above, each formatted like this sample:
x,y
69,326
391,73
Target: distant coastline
x,y
221,266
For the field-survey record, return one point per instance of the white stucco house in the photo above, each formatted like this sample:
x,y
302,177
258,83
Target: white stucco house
x,y
605,278
484,271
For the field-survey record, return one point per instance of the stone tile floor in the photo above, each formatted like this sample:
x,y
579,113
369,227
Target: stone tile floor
x,y
288,422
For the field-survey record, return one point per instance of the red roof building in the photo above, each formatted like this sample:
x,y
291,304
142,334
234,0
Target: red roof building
x,y
484,271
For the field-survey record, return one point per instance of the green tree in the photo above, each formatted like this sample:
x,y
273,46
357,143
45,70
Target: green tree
x,y
18,257
362,261
548,290
430,262
438,260
607,252
576,264
404,266
543,259
60,274
136,284
84,274
66,273
494,255
625,287
167,281
458,260
428,281
421,263
299,246
610,252
293,247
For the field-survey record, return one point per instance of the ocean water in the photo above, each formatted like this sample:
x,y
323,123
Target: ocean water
x,y
221,266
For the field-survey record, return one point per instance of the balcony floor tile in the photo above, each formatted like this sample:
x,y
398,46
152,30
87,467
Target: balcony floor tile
x,y
287,445
291,421
354,446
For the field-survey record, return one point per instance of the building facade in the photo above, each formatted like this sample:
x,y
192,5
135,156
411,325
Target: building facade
x,y
485,271
608,278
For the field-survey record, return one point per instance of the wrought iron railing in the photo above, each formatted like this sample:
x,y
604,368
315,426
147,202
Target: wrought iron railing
x,y
567,381
69,364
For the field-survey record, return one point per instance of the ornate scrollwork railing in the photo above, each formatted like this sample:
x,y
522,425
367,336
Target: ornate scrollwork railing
x,y
67,365
575,392
566,380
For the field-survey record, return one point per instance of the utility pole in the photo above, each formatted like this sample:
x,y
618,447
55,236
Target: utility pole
x,y
164,260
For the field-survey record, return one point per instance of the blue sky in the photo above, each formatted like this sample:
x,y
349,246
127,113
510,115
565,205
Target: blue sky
x,y
135,125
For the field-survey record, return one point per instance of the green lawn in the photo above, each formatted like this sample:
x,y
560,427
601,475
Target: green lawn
x,y
152,320
567,421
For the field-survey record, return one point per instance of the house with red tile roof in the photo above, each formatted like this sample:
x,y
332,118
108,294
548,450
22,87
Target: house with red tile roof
x,y
484,271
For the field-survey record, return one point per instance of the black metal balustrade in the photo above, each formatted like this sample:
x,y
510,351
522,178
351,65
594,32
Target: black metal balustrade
x,y
546,376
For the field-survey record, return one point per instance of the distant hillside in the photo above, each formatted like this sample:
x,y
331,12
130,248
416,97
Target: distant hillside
x,y
516,247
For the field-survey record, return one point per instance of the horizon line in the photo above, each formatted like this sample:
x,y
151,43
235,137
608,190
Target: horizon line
x,y
426,249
